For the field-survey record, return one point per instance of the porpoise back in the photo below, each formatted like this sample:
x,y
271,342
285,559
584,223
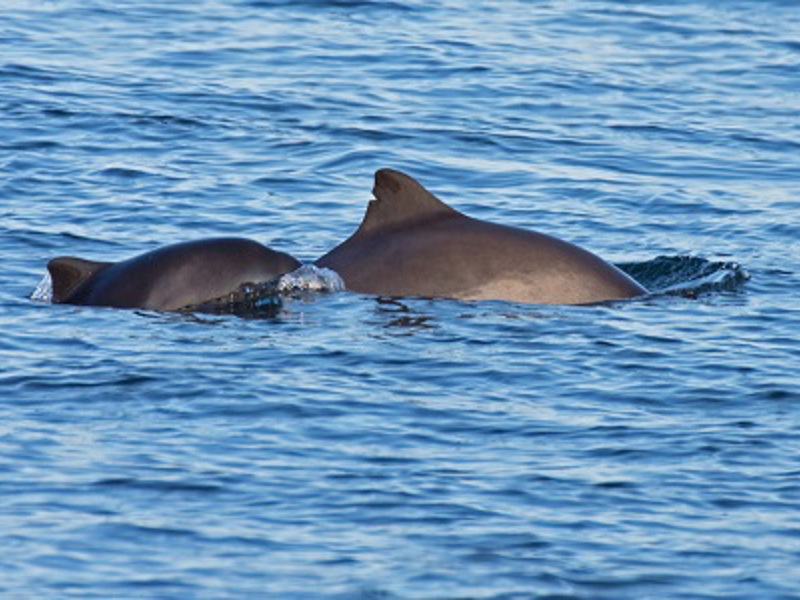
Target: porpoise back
x,y
410,243
169,278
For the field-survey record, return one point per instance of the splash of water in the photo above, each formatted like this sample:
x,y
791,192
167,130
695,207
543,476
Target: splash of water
x,y
310,278
44,290
265,299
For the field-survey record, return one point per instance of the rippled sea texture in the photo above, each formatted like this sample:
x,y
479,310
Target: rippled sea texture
x,y
356,447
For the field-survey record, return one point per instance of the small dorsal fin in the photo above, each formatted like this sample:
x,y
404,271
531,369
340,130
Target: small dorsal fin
x,y
69,273
400,200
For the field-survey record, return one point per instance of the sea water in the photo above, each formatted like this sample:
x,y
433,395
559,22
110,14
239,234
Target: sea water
x,y
351,446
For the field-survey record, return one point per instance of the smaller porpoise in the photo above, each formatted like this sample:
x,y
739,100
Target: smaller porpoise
x,y
410,243
170,278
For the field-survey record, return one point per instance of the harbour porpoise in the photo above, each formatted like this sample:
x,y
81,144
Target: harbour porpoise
x,y
170,278
410,243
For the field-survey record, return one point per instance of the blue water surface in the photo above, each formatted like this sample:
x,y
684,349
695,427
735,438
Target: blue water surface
x,y
362,447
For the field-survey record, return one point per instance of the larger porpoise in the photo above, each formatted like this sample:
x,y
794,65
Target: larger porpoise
x,y
410,243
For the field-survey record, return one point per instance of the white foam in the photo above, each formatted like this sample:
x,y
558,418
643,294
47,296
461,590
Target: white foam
x,y
44,291
309,278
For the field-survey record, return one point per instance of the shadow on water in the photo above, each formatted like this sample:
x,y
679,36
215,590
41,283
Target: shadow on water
x,y
396,314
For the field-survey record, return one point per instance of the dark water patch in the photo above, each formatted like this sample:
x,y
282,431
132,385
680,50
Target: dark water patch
x,y
793,46
75,382
31,146
132,484
173,122
359,5
688,276
271,410
15,72
135,534
123,173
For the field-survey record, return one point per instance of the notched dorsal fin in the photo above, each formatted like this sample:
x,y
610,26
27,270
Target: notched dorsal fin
x,y
400,200
69,273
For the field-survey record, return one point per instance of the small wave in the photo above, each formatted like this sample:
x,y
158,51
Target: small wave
x,y
688,276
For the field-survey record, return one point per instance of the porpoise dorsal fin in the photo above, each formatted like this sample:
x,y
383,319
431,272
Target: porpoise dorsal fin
x,y
69,273
400,200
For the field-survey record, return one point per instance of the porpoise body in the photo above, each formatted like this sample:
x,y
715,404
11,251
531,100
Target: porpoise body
x,y
410,243
169,278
